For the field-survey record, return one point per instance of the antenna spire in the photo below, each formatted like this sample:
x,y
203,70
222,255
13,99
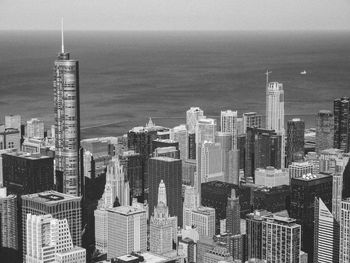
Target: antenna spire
x,y
267,73
62,37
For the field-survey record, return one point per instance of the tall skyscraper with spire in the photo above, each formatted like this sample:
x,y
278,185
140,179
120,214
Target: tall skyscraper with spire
x,y
67,122
275,112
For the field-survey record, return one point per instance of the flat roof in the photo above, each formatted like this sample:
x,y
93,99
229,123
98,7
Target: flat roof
x,y
50,197
164,158
126,210
29,156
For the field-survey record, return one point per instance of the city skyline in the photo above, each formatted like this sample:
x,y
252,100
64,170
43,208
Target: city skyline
x,y
234,188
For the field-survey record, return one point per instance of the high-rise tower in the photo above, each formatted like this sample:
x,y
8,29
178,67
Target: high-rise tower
x,y
275,112
67,122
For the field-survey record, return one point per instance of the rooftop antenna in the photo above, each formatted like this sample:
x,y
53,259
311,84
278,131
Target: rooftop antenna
x,y
267,73
62,37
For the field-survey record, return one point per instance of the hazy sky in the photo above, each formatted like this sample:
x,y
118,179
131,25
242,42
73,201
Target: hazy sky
x,y
176,14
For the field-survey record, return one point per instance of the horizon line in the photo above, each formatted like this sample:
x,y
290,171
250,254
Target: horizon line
x,y
179,30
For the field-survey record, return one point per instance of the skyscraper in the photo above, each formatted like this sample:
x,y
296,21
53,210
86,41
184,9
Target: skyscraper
x,y
211,165
60,206
304,190
295,140
326,243
275,112
163,228
251,119
233,214
281,239
179,134
342,124
344,253
229,124
35,128
67,123
324,130
192,116
263,148
254,233
49,240
127,231
26,173
8,220
119,185
170,171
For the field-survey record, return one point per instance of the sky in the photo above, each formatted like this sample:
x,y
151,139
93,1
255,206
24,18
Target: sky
x,y
175,14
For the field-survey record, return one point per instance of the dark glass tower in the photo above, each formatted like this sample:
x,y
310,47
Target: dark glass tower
x,y
324,130
342,124
67,123
302,205
263,148
295,140
170,171
233,216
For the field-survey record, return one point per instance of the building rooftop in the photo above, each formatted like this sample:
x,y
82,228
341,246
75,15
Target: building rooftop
x,y
128,258
50,197
164,158
126,210
311,177
30,156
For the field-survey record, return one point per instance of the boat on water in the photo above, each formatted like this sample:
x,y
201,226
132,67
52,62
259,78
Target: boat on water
x,y
303,72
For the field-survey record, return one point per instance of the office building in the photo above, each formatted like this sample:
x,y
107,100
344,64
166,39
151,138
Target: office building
x,y
215,194
254,233
229,124
13,122
203,218
342,124
10,138
337,190
179,134
225,140
60,206
140,141
189,249
191,146
193,115
163,228
115,177
271,177
8,220
170,171
303,193
35,128
67,123
233,214
217,254
263,148
295,140
277,230
329,159
344,250
171,152
300,169
188,170
275,113
49,240
127,231
324,130
26,173
210,166
252,119
326,243
165,143
273,199
96,155
132,164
